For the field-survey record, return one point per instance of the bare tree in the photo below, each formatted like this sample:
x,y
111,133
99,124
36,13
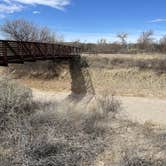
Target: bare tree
x,y
23,30
162,44
146,40
163,40
102,41
46,35
123,37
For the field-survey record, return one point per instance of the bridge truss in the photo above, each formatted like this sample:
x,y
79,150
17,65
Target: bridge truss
x,y
20,52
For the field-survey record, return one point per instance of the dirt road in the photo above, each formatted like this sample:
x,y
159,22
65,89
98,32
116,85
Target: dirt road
x,y
137,109
144,109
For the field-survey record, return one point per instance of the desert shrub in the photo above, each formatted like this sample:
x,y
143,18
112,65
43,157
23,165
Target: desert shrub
x,y
107,107
108,104
15,100
13,97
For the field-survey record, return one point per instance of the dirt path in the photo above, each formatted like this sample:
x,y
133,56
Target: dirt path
x,y
142,109
137,109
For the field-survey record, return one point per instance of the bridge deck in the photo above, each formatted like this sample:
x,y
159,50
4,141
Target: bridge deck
x,y
20,52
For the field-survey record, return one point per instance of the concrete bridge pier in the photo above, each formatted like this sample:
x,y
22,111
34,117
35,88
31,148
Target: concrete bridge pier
x,y
81,79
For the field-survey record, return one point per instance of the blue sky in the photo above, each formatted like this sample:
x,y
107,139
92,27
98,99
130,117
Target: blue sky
x,y
90,20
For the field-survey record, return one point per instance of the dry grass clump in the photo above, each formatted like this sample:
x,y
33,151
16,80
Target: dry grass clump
x,y
15,100
13,97
132,157
149,153
108,104
63,149
146,149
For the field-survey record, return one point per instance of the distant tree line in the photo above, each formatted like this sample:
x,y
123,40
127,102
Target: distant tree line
x,y
145,43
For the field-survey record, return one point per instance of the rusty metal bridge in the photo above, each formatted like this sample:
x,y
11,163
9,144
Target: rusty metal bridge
x,y
20,52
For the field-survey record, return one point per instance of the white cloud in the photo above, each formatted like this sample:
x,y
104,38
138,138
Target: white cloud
x,y
36,12
158,20
11,6
59,4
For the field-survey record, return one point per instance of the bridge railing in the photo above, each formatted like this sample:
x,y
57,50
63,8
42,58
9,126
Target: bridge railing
x,y
19,51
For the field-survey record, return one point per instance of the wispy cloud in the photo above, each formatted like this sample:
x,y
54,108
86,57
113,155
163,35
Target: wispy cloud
x,y
36,12
158,20
11,6
58,4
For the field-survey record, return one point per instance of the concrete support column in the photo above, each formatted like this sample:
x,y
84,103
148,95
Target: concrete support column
x,y
81,80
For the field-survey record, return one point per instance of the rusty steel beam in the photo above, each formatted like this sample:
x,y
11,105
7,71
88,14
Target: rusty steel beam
x,y
21,51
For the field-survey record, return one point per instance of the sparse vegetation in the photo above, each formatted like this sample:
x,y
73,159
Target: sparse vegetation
x,y
146,150
54,134
62,134
157,64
